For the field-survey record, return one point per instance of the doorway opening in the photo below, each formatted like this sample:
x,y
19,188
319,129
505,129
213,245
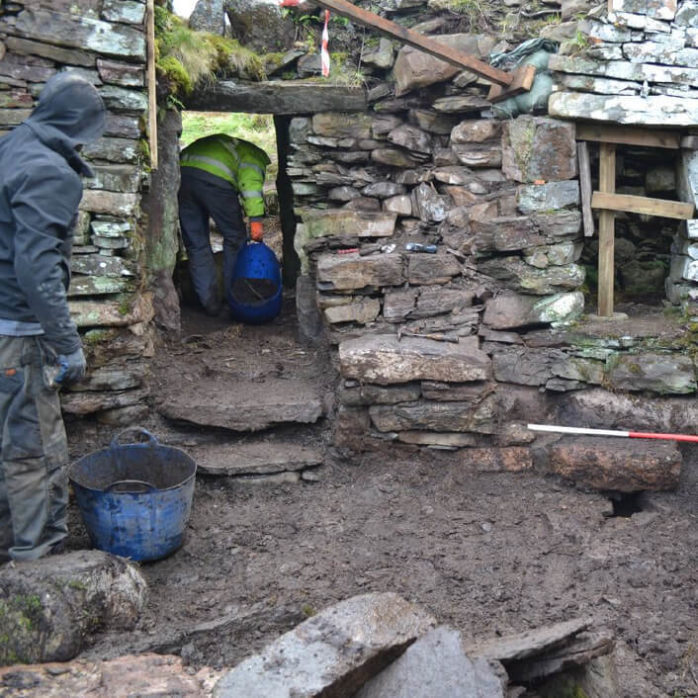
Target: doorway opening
x,y
261,130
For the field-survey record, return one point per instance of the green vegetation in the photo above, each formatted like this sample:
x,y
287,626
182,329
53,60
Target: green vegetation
x,y
185,57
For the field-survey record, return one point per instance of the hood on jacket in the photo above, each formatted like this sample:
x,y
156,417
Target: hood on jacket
x,y
71,105
70,113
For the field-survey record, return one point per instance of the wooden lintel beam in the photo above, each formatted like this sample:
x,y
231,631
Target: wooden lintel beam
x,y
626,135
412,38
642,204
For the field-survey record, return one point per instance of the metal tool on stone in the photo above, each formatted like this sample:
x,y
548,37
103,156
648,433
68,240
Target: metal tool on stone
x,y
613,432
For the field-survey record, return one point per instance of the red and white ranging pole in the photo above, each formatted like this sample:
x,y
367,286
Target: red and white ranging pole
x,y
613,432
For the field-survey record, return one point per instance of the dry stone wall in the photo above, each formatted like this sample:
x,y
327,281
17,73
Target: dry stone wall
x,y
640,68
442,247
104,41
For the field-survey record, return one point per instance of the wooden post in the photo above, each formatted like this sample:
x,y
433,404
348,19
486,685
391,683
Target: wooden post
x,y
607,183
152,96
585,187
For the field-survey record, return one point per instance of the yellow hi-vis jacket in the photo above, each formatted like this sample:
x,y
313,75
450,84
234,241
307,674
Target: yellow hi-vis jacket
x,y
236,161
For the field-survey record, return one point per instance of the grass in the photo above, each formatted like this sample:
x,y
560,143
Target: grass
x,y
255,128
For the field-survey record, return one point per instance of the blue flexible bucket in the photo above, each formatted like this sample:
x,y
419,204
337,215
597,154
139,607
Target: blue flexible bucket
x,y
255,294
135,499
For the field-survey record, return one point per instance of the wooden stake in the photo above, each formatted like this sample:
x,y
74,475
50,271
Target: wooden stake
x,y
585,188
152,96
607,183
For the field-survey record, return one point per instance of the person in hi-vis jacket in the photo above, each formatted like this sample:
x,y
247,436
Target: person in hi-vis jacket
x,y
219,172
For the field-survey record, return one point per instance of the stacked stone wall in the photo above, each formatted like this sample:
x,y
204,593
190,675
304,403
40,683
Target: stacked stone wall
x,y
462,345
104,41
639,67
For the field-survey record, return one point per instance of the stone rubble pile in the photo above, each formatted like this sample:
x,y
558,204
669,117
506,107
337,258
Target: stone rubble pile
x,y
104,41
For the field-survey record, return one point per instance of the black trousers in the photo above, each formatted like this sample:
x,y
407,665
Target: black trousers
x,y
203,196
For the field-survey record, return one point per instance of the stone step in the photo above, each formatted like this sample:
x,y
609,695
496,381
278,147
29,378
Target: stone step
x,y
258,457
245,406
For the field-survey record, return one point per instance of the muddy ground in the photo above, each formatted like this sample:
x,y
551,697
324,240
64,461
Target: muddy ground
x,y
488,554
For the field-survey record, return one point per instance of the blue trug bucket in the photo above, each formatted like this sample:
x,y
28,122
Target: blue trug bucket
x,y
135,499
255,295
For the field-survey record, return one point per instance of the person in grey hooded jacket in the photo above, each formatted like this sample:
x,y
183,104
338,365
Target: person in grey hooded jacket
x,y
40,347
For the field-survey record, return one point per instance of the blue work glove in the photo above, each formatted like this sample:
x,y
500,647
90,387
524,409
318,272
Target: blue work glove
x,y
71,367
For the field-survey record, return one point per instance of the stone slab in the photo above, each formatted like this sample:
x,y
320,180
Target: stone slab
x,y
384,359
246,407
654,110
348,272
424,415
435,667
259,457
331,654
528,643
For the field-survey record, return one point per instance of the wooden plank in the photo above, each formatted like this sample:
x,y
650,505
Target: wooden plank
x,y
412,38
585,187
522,82
628,135
690,142
642,204
152,84
607,184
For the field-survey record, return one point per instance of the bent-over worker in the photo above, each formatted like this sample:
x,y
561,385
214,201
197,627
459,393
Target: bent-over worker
x,y
40,189
218,171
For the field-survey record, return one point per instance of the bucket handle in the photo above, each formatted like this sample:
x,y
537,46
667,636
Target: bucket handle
x,y
130,487
115,442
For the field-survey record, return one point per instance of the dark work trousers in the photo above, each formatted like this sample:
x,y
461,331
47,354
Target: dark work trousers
x,y
203,196
34,448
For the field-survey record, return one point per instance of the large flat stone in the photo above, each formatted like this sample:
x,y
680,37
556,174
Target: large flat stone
x,y
435,667
437,416
384,359
605,409
348,272
331,654
654,110
245,407
624,465
263,457
665,374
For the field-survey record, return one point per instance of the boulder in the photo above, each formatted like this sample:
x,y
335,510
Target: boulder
x,y
623,465
414,68
331,654
259,26
49,607
208,16
141,675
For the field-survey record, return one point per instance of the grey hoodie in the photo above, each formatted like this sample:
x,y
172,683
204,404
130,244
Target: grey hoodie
x,y
40,189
